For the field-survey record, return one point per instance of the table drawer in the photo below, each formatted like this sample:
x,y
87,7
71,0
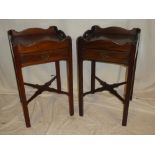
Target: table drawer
x,y
43,57
105,56
106,45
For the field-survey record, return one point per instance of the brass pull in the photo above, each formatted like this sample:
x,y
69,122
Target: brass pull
x,y
45,57
105,56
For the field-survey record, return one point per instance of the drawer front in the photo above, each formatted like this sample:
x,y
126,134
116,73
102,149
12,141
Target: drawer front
x,y
105,56
43,57
106,45
41,46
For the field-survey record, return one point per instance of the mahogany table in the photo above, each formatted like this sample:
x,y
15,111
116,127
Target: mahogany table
x,y
111,45
38,46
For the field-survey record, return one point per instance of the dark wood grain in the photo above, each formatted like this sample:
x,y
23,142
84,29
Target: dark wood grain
x,y
57,67
93,69
80,77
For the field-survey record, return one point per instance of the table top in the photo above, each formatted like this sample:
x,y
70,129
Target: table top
x,y
33,39
32,36
118,39
116,35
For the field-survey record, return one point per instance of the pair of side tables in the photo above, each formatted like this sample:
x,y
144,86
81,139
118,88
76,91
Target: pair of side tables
x,y
111,45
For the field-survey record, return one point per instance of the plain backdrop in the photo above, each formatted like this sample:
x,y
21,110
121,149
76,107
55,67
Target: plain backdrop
x,y
145,72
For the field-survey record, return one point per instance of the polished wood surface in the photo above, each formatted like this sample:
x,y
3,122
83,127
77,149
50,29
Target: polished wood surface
x,y
111,45
38,46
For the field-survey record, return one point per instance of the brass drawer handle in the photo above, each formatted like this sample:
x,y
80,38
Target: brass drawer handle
x,y
105,56
45,57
